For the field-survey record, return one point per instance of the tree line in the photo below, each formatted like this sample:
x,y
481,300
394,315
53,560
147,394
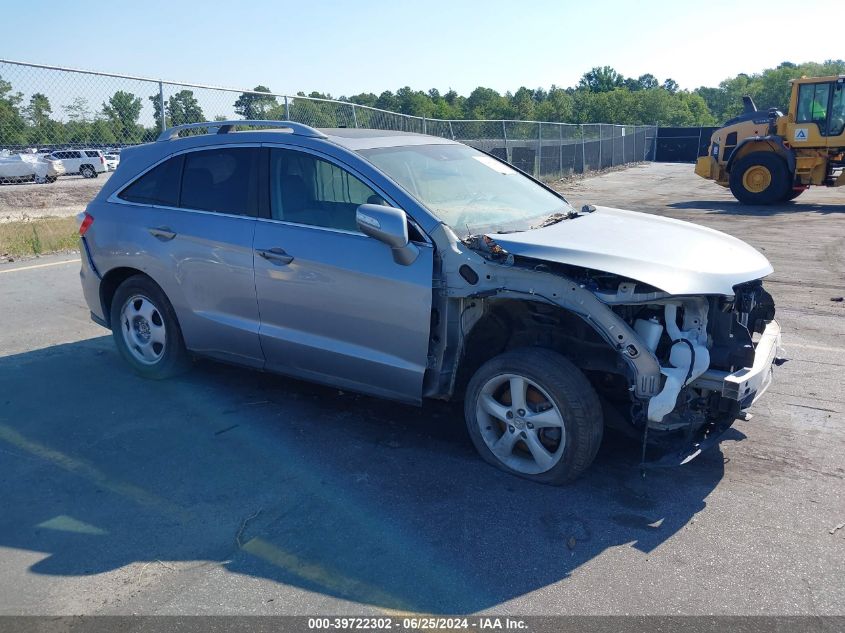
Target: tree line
x,y
601,96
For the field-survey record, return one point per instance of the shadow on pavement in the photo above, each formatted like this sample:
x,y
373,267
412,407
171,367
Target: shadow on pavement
x,y
732,207
345,495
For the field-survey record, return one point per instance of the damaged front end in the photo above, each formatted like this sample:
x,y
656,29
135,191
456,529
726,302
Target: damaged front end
x,y
716,353
677,367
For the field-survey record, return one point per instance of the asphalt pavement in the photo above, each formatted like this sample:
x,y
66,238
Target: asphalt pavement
x,y
228,491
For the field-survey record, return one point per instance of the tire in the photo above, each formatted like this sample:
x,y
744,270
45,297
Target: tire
x,y
760,178
87,171
146,331
793,193
563,402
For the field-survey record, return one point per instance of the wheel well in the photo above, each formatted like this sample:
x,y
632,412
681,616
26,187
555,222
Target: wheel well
x,y
769,145
109,285
511,323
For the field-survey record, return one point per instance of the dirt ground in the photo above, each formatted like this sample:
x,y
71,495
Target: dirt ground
x,y
67,196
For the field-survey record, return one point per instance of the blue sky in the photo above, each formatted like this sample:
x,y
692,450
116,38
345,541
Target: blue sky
x,y
350,47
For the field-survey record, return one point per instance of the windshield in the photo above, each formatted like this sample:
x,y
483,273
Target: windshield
x,y
467,189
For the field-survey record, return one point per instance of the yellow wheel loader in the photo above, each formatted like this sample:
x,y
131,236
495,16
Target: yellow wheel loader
x,y
766,157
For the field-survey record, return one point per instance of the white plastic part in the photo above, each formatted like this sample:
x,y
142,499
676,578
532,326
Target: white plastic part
x,y
649,331
686,365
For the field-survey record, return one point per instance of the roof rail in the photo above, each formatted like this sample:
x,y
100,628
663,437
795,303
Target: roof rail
x,y
224,127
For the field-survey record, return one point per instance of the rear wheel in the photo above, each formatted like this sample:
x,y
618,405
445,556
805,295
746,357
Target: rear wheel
x,y
760,178
532,413
145,329
88,171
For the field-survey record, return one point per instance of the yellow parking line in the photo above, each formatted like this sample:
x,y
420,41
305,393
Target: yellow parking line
x,y
92,474
20,268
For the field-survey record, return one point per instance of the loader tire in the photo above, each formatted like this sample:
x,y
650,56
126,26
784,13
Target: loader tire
x,y
760,178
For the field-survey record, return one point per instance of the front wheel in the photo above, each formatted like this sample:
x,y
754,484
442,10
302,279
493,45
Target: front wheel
x,y
793,193
145,329
532,413
760,178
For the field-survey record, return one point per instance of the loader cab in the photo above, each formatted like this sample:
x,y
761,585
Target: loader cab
x,y
817,113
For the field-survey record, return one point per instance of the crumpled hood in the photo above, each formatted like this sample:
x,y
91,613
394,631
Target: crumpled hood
x,y
675,256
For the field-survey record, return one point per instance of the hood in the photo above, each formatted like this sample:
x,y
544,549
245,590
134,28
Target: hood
x,y
677,257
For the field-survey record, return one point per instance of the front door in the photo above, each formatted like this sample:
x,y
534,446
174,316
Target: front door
x,y
335,307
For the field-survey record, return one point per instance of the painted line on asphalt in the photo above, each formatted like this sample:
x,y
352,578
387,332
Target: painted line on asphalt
x,y
821,348
81,468
20,268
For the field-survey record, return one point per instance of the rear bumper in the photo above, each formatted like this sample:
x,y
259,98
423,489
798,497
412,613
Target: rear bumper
x,y
748,384
89,276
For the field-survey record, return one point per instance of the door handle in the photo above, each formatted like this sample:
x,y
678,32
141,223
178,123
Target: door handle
x,y
163,233
276,256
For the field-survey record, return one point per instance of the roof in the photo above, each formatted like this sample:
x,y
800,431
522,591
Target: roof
x,y
363,138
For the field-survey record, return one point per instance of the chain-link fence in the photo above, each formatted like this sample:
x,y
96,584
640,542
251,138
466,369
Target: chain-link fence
x,y
50,108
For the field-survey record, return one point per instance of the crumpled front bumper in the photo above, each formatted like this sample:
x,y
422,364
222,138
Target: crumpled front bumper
x,y
748,384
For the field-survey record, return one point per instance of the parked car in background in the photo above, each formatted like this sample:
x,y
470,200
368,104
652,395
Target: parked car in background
x,y
29,167
410,267
89,163
112,161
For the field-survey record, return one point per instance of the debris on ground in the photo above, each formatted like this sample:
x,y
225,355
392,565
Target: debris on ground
x,y
836,527
837,299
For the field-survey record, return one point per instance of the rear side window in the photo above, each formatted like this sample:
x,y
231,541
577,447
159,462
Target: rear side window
x,y
223,180
158,186
92,154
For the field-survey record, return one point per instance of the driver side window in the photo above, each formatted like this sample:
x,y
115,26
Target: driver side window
x,y
308,190
812,104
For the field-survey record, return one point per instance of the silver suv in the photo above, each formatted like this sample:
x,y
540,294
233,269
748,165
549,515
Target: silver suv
x,y
408,267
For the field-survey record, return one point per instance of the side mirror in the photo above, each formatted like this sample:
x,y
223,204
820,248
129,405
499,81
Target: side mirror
x,y
390,226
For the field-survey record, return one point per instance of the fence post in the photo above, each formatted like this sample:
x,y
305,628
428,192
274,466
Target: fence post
x,y
612,146
654,142
425,127
354,115
601,142
698,147
505,139
622,129
539,149
161,106
287,110
560,136
451,131
583,151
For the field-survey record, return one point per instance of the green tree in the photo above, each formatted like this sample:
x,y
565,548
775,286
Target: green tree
x,y
122,111
486,103
183,108
78,111
601,79
39,110
255,106
670,86
12,124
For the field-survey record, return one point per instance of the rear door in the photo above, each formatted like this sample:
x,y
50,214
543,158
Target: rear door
x,y
334,306
190,221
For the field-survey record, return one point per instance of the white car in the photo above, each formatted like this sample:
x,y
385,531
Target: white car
x,y
112,161
25,167
89,163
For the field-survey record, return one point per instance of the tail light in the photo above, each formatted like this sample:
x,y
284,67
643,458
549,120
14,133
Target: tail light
x,y
102,160
85,222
